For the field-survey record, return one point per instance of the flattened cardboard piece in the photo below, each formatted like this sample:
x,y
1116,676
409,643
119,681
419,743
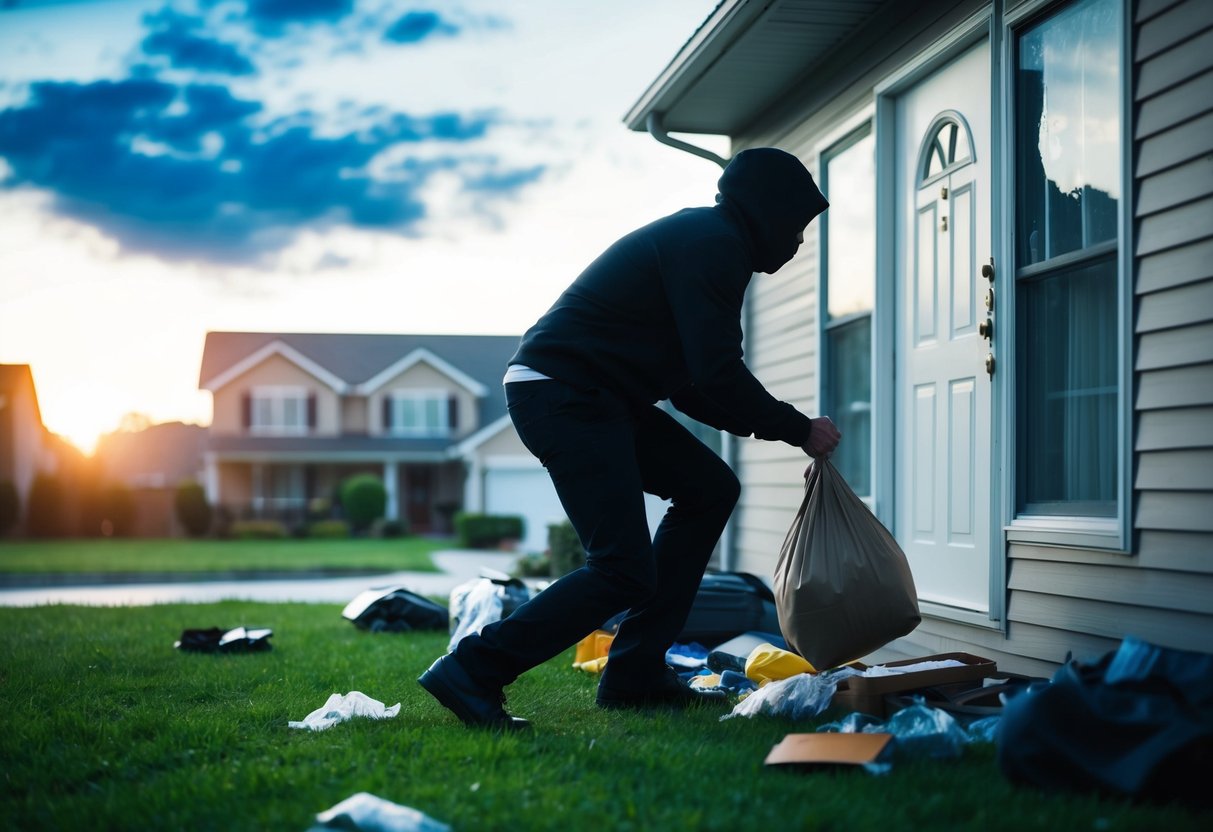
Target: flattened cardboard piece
x,y
866,694
828,749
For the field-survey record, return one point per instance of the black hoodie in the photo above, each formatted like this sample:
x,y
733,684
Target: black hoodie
x,y
658,314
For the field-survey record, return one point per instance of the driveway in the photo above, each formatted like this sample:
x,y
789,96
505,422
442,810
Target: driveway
x,y
456,567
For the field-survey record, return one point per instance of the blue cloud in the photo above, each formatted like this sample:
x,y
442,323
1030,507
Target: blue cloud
x,y
272,15
416,26
188,172
176,35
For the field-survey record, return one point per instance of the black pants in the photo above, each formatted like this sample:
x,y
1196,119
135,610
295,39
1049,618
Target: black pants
x,y
602,455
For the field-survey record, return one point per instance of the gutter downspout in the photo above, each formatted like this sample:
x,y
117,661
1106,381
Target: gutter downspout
x,y
657,131
728,555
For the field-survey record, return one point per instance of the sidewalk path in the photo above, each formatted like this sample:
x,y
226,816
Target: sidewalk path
x,y
457,566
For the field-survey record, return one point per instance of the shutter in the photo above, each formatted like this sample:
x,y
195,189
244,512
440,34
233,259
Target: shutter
x,y
387,414
311,411
452,413
246,410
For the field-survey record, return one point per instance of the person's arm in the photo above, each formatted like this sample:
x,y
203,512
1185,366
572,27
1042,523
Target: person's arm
x,y
705,289
688,400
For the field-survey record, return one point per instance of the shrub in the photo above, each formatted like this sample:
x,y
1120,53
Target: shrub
x,y
193,510
46,514
329,529
363,499
565,549
479,531
393,528
10,506
258,530
117,511
533,566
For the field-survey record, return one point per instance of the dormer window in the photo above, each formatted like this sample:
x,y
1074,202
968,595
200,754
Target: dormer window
x,y
279,411
420,413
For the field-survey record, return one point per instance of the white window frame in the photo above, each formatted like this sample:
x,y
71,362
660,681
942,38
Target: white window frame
x,y
849,133
275,398
420,396
1113,534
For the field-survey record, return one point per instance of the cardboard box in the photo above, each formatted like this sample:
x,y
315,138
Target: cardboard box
x,y
827,749
867,694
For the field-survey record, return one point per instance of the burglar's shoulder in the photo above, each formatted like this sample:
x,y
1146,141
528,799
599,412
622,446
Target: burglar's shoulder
x,y
697,229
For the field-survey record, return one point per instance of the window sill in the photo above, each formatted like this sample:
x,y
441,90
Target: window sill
x,y
1068,532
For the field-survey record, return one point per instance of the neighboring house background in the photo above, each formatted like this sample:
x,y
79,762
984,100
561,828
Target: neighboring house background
x,y
23,439
151,461
1064,499
295,414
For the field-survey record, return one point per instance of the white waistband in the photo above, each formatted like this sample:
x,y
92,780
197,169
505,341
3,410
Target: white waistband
x,y
520,372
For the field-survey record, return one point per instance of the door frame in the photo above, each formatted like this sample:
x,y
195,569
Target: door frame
x,y
981,25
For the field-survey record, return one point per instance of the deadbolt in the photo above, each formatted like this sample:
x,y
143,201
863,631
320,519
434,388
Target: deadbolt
x,y
987,270
943,224
990,300
990,364
943,193
986,328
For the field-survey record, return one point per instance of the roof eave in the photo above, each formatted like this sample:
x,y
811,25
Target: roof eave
x,y
711,40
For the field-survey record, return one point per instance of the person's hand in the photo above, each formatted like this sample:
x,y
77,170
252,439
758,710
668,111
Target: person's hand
x,y
823,438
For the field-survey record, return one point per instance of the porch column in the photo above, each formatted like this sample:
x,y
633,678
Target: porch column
x,y
258,475
210,478
391,479
473,487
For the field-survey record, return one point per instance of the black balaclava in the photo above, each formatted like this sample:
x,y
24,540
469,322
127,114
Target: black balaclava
x,y
777,198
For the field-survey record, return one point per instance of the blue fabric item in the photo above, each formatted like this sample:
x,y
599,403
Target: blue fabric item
x,y
686,655
736,682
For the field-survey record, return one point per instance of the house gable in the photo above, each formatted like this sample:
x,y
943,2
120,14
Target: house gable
x,y
263,354
418,356
273,371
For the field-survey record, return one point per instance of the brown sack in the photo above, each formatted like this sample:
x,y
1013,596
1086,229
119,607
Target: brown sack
x,y
843,586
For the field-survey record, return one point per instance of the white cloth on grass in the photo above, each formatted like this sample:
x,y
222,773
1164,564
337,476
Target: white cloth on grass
x,y
367,813
339,708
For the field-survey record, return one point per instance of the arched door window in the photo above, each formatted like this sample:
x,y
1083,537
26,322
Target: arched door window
x,y
948,145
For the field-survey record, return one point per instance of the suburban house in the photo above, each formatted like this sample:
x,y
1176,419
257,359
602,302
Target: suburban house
x,y
297,413
23,446
1008,308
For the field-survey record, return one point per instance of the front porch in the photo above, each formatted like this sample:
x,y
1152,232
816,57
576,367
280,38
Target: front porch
x,y
423,494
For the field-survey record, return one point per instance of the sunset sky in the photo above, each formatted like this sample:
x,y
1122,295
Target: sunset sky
x,y
308,165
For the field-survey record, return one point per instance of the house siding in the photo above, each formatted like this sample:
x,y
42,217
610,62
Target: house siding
x,y
422,376
275,370
1059,600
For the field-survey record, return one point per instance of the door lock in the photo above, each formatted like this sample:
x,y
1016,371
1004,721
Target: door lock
x,y
989,300
986,328
987,270
990,364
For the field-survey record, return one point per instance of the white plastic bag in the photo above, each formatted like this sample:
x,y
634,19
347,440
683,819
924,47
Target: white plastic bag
x,y
797,697
476,604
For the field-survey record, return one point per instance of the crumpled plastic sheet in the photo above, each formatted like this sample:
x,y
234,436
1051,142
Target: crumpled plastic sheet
x,y
365,812
478,604
918,731
798,697
340,708
686,656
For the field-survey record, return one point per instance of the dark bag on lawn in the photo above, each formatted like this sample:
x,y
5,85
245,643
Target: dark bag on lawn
x,y
1138,723
394,609
727,605
843,586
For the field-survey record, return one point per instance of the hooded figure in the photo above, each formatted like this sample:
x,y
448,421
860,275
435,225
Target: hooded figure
x,y
655,317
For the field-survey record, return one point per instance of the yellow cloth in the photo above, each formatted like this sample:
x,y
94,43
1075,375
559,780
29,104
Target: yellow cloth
x,y
712,681
592,651
767,663
592,665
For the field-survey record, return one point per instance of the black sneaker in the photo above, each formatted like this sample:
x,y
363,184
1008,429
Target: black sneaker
x,y
450,684
669,691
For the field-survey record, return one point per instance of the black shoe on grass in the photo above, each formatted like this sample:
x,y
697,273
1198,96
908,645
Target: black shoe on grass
x,y
477,707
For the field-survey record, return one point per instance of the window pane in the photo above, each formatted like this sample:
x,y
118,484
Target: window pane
x,y
1068,430
262,411
432,416
1068,131
292,412
851,229
849,393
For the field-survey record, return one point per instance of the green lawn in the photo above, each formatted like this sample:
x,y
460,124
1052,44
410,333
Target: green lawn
x,y
123,555
106,726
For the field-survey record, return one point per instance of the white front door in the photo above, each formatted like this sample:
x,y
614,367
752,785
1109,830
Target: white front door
x,y
943,423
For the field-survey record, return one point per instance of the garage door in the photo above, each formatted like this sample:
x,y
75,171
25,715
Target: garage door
x,y
529,492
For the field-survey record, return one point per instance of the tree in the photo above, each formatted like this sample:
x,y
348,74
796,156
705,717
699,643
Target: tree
x,y
10,507
46,514
193,510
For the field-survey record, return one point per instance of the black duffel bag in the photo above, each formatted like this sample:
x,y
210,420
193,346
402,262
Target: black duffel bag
x,y
727,605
